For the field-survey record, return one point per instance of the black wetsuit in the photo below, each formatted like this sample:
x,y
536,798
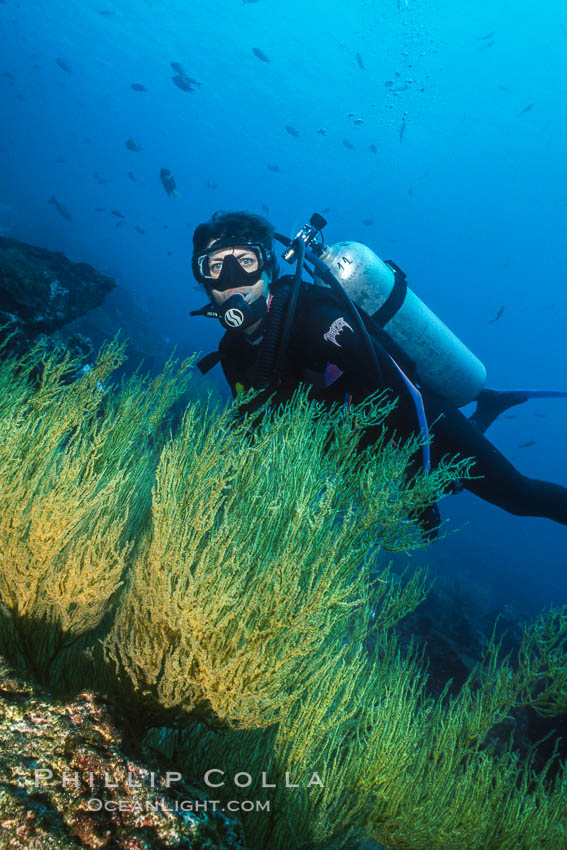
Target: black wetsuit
x,y
327,352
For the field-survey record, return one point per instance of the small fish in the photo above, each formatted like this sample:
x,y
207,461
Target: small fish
x,y
132,176
119,223
402,131
526,109
107,13
486,37
360,62
368,222
389,83
348,144
248,1
164,226
133,146
169,253
99,178
60,160
21,96
212,185
117,213
63,65
140,230
486,46
372,148
138,87
266,209
178,68
275,168
326,210
260,54
564,31
291,130
62,210
497,316
100,209
411,192
182,82
322,131
358,121
8,75
527,444
168,182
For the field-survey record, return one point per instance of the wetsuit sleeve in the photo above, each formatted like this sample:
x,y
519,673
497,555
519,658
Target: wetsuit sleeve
x,y
330,335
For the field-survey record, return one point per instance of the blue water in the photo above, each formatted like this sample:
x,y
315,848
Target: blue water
x,y
470,199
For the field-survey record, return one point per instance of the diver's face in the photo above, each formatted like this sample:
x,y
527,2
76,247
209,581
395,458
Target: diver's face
x,y
249,263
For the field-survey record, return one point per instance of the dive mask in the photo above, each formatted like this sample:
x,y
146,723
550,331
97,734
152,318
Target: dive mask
x,y
241,268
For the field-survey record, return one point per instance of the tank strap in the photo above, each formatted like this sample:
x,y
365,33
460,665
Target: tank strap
x,y
395,299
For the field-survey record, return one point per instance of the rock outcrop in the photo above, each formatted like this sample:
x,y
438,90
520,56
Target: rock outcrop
x,y
67,781
41,291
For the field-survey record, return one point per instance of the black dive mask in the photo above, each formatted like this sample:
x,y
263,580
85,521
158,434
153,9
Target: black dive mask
x,y
233,275
236,314
253,254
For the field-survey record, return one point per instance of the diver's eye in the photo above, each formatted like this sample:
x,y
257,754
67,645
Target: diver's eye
x,y
215,267
249,262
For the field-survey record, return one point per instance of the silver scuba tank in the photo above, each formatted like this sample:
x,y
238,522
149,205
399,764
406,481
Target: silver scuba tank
x,y
443,363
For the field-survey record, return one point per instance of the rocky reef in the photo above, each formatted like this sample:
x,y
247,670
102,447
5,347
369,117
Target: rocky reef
x,y
68,779
41,291
46,299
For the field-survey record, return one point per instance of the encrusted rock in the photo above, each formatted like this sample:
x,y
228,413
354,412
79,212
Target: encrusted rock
x,y
67,782
41,290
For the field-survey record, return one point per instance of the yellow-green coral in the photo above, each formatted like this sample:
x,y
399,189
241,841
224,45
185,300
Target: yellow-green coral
x,y
74,471
258,554
235,584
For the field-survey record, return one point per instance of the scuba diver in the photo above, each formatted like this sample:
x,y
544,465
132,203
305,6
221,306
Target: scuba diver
x,y
331,335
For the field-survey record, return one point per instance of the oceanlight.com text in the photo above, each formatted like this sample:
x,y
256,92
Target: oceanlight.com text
x,y
164,805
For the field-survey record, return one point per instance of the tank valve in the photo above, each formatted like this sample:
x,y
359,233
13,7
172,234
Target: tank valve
x,y
310,234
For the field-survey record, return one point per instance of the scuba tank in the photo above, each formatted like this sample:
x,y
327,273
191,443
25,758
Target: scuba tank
x,y
443,363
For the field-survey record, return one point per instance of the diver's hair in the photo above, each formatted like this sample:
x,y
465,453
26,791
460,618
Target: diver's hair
x,y
237,225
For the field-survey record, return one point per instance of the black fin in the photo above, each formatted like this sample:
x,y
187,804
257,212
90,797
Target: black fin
x,y
491,403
